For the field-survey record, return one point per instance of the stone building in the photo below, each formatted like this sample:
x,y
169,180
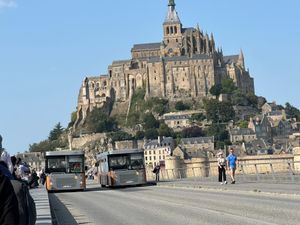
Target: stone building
x,y
198,146
242,135
179,120
157,150
185,64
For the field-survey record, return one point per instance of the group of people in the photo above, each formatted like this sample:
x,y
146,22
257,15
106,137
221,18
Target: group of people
x,y
17,207
230,163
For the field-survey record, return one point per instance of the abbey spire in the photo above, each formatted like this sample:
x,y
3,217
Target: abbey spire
x,y
172,26
172,16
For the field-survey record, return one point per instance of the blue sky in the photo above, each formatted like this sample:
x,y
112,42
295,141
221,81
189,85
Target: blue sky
x,y
48,47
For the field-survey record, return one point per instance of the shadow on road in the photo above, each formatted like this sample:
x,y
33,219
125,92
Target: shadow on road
x,y
60,214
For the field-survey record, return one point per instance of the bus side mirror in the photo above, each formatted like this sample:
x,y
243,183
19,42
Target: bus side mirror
x,y
96,164
86,168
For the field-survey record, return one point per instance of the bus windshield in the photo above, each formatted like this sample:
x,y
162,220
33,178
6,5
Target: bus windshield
x,y
118,162
63,164
136,161
56,164
75,164
128,162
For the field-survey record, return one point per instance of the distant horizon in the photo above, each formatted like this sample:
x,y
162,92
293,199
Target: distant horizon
x,y
47,48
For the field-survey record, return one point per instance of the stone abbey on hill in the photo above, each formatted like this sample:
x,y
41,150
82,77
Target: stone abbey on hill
x,y
184,65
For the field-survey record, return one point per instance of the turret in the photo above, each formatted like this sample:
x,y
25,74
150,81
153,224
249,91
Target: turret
x,y
241,61
212,43
207,44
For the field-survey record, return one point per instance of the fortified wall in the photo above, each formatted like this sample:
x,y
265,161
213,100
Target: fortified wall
x,y
204,167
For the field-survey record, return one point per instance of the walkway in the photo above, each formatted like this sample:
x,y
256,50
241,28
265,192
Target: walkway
x,y
40,196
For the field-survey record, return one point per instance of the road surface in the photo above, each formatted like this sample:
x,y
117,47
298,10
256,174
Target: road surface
x,y
157,205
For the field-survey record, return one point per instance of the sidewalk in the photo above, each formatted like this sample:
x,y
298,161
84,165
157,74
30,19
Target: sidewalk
x,y
240,185
40,196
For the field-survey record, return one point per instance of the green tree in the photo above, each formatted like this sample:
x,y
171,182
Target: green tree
x,y
252,99
238,98
197,117
192,132
139,135
151,133
47,145
243,124
97,121
219,132
228,86
150,121
73,119
56,132
180,106
215,90
164,130
120,136
218,111
292,112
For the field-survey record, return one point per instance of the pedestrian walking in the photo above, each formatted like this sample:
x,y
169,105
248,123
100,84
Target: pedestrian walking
x,y
156,170
231,164
221,168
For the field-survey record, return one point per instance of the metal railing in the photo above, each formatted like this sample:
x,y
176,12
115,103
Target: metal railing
x,y
284,171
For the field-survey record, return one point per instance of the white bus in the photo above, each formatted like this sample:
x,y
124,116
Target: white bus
x,y
121,168
65,170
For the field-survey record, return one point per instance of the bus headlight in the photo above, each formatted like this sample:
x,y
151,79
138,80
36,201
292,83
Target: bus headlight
x,y
76,177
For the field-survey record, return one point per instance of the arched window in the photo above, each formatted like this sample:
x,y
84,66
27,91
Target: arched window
x,y
168,30
175,28
172,30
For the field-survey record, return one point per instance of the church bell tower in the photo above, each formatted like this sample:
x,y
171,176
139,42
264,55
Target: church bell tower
x,y
172,32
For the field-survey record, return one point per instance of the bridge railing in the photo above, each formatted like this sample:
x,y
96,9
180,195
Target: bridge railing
x,y
267,171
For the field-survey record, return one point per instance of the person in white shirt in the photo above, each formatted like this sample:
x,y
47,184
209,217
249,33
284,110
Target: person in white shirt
x,y
222,168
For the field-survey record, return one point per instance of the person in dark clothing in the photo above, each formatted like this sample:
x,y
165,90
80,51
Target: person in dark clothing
x,y
33,179
156,170
9,208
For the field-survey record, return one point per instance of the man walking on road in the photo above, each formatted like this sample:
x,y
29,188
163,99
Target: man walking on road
x,y
231,164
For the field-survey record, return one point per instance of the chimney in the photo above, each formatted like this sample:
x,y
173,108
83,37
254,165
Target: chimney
x,y
159,140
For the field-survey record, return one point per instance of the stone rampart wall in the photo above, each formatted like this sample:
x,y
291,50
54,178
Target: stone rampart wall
x,y
77,143
204,167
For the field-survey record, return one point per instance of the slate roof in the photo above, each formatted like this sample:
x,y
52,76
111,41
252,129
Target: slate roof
x,y
177,117
146,46
167,141
121,62
197,140
256,144
231,59
242,131
179,58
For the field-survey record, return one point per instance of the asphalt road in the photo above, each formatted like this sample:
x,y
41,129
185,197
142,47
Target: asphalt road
x,y
156,205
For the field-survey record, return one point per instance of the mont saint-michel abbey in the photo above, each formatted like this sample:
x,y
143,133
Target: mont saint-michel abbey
x,y
185,64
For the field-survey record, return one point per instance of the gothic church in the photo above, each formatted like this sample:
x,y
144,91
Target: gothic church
x,y
185,64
